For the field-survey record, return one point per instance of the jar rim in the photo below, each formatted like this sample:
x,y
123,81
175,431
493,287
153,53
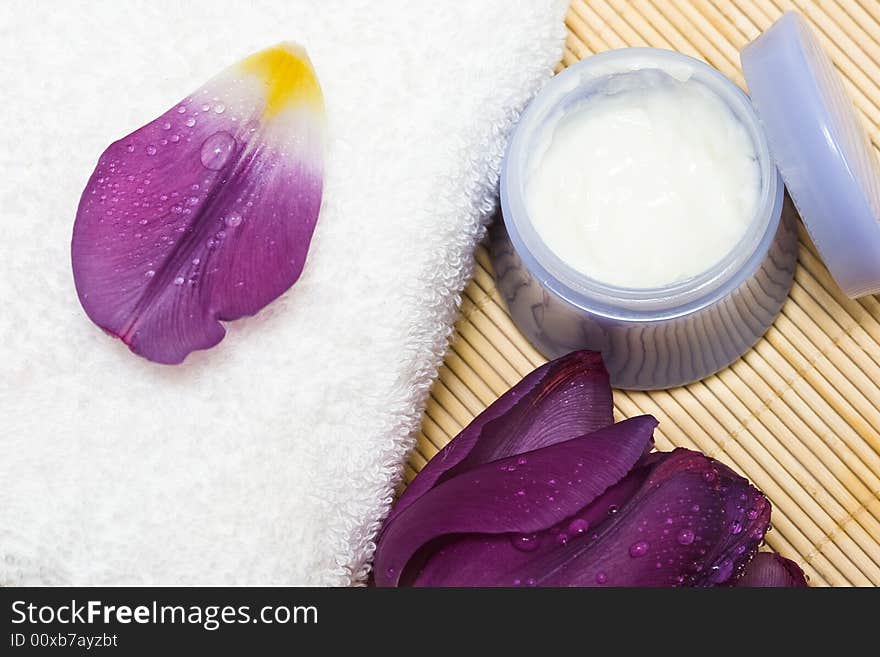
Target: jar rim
x,y
680,297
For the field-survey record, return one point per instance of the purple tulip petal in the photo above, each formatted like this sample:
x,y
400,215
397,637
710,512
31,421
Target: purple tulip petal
x,y
520,494
206,214
693,522
561,400
771,570
485,560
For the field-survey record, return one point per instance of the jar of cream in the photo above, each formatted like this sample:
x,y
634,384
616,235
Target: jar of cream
x,y
643,219
642,203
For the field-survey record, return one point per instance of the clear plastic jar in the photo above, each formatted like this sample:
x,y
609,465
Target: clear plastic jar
x,y
650,338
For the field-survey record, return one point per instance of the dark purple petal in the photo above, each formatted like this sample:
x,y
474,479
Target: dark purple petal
x,y
484,560
561,400
745,520
206,214
771,570
693,522
520,494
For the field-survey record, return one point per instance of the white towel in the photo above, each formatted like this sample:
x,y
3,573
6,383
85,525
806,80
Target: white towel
x,y
272,458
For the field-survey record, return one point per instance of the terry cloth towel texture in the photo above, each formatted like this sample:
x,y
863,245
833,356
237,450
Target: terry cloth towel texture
x,y
272,458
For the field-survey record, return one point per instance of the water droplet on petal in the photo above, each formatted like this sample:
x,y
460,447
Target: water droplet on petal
x,y
601,577
216,150
735,527
525,542
721,572
522,460
181,109
151,150
233,220
219,108
612,509
578,526
178,280
150,273
190,122
685,537
638,549
521,493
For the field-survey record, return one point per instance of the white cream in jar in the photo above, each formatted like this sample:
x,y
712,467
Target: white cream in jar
x,y
645,184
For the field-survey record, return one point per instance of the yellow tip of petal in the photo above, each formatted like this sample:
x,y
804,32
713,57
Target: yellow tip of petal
x,y
287,72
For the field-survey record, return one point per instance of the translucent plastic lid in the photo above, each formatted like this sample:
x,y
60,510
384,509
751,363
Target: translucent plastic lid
x,y
821,149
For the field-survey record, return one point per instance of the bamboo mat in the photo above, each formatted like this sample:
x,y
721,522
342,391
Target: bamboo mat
x,y
798,414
